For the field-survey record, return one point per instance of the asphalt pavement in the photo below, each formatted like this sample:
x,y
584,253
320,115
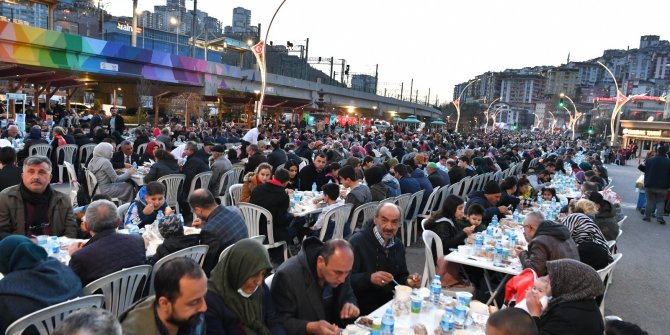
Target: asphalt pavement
x,y
640,292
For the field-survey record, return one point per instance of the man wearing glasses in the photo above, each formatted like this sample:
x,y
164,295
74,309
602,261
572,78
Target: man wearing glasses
x,y
547,241
32,207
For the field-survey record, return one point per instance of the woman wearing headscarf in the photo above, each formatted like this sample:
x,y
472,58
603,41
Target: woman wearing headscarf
x,y
171,229
148,154
238,301
593,249
108,181
572,309
32,281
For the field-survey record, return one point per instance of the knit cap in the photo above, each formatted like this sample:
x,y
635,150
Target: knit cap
x,y
171,226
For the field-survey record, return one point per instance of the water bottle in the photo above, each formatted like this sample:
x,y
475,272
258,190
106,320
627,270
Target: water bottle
x,y
497,255
479,242
159,216
447,322
516,216
494,221
553,202
135,165
54,246
314,187
133,229
387,322
435,290
180,217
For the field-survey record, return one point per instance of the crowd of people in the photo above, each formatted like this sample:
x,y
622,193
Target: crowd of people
x,y
325,284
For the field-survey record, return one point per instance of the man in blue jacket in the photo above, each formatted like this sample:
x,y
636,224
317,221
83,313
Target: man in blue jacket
x,y
656,183
488,199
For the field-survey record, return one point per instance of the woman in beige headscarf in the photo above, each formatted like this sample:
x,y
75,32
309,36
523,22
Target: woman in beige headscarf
x,y
109,182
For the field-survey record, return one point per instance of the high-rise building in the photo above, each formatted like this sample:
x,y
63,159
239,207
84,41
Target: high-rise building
x,y
27,13
522,88
176,3
561,80
241,21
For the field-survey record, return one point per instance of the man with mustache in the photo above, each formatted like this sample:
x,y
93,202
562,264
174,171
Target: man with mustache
x,y
178,306
32,207
379,260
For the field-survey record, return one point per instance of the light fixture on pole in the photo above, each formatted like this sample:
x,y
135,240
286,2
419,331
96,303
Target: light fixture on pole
x,y
175,22
457,103
573,117
486,115
621,100
553,124
133,33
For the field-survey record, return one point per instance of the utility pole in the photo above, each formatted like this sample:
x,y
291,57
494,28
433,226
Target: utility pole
x,y
331,69
342,72
428,99
306,57
377,78
193,26
401,89
133,34
411,89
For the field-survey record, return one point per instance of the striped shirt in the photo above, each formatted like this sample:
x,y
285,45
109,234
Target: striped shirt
x,y
583,229
380,238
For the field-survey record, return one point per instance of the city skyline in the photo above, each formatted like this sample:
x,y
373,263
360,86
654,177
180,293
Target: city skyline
x,y
432,43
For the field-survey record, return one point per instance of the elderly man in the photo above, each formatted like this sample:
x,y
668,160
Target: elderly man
x,y
311,291
548,241
456,172
193,165
221,225
107,251
488,198
12,133
125,158
314,173
178,307
278,155
436,176
379,259
33,208
220,164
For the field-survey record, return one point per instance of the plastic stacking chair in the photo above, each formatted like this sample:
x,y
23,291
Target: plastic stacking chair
x,y
173,184
367,210
252,217
429,269
339,215
47,319
196,253
120,288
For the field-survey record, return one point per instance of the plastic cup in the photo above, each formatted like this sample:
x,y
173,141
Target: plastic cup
x,y
416,304
464,299
402,292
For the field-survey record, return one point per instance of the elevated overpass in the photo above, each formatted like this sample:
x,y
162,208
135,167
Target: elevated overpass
x,y
102,61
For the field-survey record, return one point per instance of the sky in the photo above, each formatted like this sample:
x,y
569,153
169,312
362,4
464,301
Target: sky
x,y
441,43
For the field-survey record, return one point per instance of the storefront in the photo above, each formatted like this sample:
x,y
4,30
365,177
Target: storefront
x,y
646,135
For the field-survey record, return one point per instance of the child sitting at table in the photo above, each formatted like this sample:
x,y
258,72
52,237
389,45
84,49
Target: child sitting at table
x,y
542,289
171,229
474,218
331,196
549,193
511,321
150,199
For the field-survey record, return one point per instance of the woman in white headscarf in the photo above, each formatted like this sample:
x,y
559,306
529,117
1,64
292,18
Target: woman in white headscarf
x,y
109,182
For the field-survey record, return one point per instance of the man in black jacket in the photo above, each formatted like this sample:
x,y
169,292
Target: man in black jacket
x,y
116,122
277,156
656,183
312,292
456,173
314,173
193,166
107,251
10,174
379,259
255,158
125,157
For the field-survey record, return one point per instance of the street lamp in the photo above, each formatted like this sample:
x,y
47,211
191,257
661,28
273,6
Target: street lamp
x,y
486,115
573,118
457,103
553,124
175,22
621,100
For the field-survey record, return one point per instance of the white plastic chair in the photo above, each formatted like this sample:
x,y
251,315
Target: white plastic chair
x,y
40,150
224,185
410,222
252,216
142,148
339,215
196,253
239,170
47,319
606,276
433,200
91,182
122,211
368,211
429,269
620,223
259,238
85,152
234,193
403,201
173,183
120,288
68,152
201,179
225,251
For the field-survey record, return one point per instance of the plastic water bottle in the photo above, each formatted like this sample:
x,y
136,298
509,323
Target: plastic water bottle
x,y
135,165
435,290
159,216
516,216
314,187
553,202
494,221
497,255
479,242
387,322
54,246
447,322
133,229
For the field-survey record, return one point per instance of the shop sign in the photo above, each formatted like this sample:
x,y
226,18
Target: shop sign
x,y
641,132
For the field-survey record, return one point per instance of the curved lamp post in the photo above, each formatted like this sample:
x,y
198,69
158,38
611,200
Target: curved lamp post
x,y
573,117
553,123
259,51
457,103
495,116
621,100
486,115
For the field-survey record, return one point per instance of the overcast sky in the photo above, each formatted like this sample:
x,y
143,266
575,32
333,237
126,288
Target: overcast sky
x,y
440,43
